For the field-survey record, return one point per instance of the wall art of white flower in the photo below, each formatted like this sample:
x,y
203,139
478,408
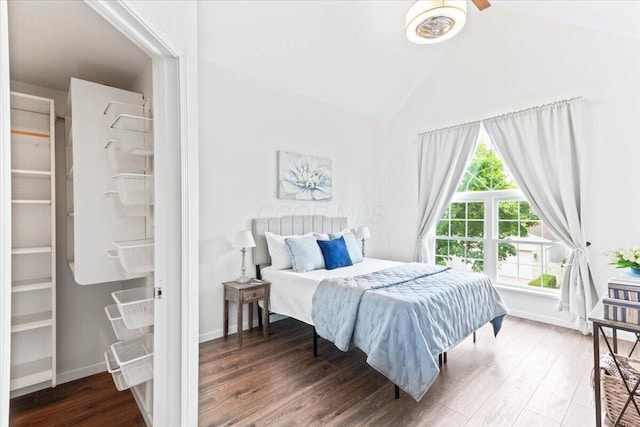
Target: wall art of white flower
x,y
302,177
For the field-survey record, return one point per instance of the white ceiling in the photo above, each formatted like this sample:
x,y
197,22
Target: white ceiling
x,y
51,41
353,54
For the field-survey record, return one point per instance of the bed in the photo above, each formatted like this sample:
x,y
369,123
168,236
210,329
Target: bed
x,y
403,316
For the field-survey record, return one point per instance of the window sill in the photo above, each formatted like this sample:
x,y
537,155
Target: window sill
x,y
555,295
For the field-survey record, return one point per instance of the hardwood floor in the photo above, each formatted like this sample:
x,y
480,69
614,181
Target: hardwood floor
x,y
531,374
90,401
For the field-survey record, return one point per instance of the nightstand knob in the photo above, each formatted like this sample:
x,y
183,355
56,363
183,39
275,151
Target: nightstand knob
x,y
255,294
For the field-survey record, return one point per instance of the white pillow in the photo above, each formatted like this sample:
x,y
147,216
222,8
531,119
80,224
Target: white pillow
x,y
353,246
279,251
321,236
305,253
347,230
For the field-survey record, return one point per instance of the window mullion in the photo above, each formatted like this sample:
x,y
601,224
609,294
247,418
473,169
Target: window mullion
x,y
490,255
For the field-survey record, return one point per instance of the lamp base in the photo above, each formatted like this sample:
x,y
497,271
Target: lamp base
x,y
243,279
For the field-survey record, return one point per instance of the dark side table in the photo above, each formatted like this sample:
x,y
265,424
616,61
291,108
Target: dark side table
x,y
250,293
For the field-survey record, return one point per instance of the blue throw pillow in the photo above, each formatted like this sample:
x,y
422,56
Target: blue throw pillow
x,y
335,253
305,254
354,248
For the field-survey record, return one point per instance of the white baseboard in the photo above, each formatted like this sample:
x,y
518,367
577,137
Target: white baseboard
x,y
86,371
543,319
233,328
63,377
622,335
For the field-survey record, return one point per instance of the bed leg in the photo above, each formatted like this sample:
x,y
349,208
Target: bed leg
x,y
440,360
315,343
474,337
444,359
396,391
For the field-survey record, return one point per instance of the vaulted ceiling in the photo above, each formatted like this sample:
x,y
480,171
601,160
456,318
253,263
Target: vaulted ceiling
x,y
353,54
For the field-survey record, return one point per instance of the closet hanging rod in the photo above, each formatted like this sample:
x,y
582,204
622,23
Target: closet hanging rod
x,y
28,133
58,118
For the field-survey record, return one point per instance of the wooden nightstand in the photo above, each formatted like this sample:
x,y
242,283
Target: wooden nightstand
x,y
241,293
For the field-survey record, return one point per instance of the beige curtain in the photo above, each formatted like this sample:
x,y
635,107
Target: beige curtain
x,y
541,147
443,157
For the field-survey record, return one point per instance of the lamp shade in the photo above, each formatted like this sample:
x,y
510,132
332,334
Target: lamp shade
x,y
433,21
244,239
363,232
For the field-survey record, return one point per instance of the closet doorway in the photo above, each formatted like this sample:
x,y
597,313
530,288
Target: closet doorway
x,y
174,343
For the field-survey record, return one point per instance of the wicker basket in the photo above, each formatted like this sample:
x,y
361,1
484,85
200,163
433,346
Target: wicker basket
x,y
615,395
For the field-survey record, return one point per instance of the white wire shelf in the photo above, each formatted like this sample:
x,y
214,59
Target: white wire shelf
x,y
135,358
123,210
129,155
134,188
135,306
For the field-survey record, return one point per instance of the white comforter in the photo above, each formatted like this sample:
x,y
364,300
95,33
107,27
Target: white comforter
x,y
292,293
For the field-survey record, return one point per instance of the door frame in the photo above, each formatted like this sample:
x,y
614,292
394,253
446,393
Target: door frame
x,y
5,217
176,313
175,393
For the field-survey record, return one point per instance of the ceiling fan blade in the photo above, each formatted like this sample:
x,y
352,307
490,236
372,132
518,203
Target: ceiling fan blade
x,y
481,4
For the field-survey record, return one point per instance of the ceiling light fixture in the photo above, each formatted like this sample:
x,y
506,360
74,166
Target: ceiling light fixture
x,y
433,21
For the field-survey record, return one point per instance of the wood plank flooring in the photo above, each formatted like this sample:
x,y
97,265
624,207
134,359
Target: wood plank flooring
x,y
90,401
531,374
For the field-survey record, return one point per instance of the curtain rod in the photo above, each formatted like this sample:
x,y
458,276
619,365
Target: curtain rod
x,y
563,101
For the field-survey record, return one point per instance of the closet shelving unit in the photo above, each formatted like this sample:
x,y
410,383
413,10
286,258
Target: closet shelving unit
x,y
33,286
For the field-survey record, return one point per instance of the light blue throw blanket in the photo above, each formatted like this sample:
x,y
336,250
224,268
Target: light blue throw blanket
x,y
404,317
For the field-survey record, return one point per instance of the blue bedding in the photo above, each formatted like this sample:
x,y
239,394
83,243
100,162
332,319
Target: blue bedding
x,y
404,317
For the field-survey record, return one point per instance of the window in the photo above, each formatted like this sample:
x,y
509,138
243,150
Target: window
x,y
490,227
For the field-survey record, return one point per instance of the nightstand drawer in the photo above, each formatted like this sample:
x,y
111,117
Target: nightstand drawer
x,y
253,294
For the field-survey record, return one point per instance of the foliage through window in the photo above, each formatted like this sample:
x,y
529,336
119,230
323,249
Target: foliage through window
x,y
490,227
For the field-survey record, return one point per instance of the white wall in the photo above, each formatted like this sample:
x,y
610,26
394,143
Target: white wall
x,y
83,331
144,81
516,62
243,125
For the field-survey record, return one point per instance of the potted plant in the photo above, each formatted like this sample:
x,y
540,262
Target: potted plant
x,y
625,258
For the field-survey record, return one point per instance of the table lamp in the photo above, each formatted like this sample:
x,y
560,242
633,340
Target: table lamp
x,y
244,240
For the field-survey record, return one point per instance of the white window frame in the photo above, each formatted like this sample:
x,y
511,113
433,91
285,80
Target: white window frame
x,y
490,240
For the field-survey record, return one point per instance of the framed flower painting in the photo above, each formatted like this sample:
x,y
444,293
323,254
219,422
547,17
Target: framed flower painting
x,y
303,177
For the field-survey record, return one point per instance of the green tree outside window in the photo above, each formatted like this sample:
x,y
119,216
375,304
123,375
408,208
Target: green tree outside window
x,y
486,172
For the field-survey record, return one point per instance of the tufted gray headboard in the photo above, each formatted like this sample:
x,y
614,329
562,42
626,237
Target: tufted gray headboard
x,y
290,225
